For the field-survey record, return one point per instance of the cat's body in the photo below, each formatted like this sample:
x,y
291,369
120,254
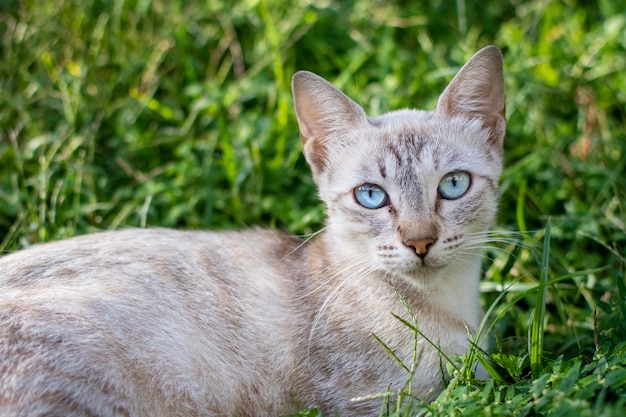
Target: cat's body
x,y
193,342
259,323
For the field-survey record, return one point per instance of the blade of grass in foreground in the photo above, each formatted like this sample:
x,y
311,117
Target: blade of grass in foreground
x,y
538,320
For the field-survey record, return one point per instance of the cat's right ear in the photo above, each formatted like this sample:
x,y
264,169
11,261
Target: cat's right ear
x,y
478,91
324,114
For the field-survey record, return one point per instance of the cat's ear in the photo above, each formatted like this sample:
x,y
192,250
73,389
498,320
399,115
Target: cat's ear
x,y
323,113
478,91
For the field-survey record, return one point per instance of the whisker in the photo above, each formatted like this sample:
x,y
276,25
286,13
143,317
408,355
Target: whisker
x,y
339,290
473,239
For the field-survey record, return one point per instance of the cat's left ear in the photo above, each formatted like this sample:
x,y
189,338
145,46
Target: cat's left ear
x,y
478,91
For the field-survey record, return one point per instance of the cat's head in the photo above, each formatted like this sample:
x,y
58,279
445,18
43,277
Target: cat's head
x,y
409,191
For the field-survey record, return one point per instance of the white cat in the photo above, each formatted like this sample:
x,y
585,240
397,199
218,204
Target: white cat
x,y
259,323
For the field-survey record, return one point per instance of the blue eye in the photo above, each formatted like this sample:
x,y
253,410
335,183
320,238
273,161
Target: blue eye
x,y
454,184
371,196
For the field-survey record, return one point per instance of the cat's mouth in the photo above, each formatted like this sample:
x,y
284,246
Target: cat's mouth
x,y
410,264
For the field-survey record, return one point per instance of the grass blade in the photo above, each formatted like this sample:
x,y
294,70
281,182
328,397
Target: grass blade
x,y
538,317
391,352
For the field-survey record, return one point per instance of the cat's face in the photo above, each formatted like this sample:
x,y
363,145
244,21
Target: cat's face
x,y
411,191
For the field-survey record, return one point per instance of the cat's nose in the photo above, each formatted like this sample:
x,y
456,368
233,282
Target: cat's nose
x,y
420,245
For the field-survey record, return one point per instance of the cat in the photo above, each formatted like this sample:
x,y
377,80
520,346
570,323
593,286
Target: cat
x,y
158,322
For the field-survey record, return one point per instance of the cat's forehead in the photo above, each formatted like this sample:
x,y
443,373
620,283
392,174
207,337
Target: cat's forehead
x,y
402,124
412,145
409,147
427,136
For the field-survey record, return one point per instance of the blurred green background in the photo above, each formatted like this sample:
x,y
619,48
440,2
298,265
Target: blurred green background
x,y
179,113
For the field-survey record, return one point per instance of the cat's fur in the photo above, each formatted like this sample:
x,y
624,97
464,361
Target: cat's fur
x,y
258,323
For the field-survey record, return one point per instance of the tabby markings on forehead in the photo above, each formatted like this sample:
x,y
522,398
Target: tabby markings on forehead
x,y
396,154
415,145
407,150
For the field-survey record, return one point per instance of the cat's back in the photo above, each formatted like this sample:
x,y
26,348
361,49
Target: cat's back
x,y
151,268
149,315
120,257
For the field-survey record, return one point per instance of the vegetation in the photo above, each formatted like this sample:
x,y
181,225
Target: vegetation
x,y
119,113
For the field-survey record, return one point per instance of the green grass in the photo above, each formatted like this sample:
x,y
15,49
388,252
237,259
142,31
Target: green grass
x,y
143,113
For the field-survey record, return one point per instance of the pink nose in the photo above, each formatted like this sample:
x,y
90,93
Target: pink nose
x,y
420,245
